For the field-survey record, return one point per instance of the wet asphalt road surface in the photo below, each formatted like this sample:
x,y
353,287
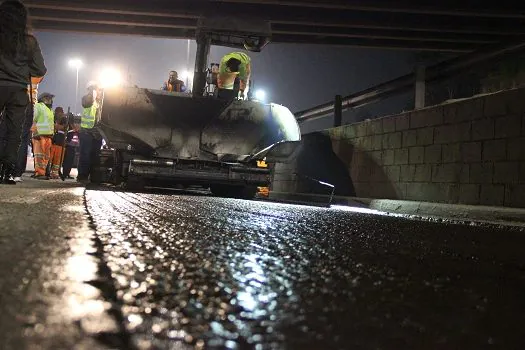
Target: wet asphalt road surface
x,y
197,271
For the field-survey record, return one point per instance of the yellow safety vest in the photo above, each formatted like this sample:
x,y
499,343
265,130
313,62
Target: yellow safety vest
x,y
44,120
89,116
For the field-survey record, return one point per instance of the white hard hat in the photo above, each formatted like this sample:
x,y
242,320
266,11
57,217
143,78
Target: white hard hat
x,y
92,83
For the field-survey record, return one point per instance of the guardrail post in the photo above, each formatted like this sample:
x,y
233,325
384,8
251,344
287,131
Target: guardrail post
x,y
420,87
338,110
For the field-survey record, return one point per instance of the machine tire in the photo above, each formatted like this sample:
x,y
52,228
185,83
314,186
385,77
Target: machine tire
x,y
231,191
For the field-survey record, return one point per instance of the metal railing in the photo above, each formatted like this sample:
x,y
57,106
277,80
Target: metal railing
x,y
437,72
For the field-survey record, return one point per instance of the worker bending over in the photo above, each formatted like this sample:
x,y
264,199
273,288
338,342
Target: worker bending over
x,y
234,65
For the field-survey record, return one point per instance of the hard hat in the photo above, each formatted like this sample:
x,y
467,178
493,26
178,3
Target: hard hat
x,y
44,95
92,84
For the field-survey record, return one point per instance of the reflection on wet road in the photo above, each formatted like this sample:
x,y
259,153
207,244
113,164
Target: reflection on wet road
x,y
238,274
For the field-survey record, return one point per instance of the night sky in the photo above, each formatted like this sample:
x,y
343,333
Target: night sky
x,y
297,76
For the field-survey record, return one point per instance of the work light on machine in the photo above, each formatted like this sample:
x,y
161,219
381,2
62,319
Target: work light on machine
x,y
260,95
109,78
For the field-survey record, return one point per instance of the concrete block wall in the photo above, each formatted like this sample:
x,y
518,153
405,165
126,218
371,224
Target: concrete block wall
x,y
470,151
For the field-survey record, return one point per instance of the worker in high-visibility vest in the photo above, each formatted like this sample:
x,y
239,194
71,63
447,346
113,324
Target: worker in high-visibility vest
x,y
234,65
90,138
43,130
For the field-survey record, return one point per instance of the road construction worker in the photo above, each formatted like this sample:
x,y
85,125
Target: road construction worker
x,y
234,65
90,138
174,84
25,141
20,58
43,130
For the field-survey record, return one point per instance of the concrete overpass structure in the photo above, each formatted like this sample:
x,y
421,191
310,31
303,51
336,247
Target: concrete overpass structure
x,y
436,26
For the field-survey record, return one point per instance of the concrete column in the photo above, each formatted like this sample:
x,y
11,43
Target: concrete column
x,y
338,110
201,64
420,87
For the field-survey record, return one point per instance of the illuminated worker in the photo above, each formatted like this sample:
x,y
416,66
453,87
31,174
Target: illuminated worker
x,y
90,138
43,130
234,65
174,84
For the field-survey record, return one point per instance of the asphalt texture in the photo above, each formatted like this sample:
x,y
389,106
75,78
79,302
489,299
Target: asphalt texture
x,y
103,269
225,273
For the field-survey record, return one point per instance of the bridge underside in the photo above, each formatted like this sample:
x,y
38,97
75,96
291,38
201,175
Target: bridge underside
x,y
443,26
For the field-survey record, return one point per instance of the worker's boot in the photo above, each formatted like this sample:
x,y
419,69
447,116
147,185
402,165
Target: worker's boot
x,y
8,171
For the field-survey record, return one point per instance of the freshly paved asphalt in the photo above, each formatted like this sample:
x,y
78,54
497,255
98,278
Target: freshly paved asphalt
x,y
178,271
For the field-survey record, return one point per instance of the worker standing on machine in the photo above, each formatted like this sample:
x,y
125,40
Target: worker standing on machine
x,y
234,65
174,84
90,138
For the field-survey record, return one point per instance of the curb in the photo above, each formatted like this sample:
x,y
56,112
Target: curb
x,y
457,212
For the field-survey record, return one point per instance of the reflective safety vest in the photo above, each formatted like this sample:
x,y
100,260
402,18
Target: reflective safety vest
x,y
226,78
44,120
89,116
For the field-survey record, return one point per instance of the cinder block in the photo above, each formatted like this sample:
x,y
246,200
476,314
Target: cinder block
x,y
416,155
367,143
464,177
388,157
446,173
402,122
483,129
509,126
401,190
423,173
495,105
463,111
481,173
389,124
514,196
377,142
506,173
452,133
349,132
451,153
375,127
427,117
433,154
425,136
515,101
495,150
361,129
407,173
393,172
409,138
492,195
469,194
401,156
391,141
471,152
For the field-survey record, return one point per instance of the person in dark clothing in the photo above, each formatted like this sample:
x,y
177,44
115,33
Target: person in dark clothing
x,y
20,59
72,144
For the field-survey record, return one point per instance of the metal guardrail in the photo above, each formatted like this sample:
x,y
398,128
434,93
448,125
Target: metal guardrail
x,y
440,71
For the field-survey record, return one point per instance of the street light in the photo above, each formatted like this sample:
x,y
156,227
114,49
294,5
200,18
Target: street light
x,y
76,63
